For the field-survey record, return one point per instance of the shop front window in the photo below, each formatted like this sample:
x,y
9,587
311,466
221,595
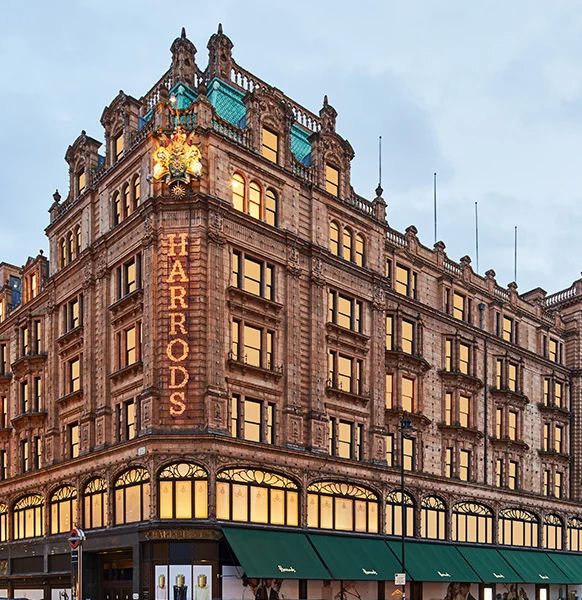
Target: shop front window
x,y
132,496
183,492
394,514
472,522
95,504
433,518
28,517
253,496
341,506
63,506
518,528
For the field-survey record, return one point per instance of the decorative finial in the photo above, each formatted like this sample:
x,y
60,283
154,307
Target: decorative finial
x,y
379,191
56,197
325,102
220,28
183,34
41,251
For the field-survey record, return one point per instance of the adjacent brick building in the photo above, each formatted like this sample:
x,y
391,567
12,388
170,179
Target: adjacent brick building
x,y
227,333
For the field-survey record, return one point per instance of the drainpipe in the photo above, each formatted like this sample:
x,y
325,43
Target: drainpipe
x,y
485,397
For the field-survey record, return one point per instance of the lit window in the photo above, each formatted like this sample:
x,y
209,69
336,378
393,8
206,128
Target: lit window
x,y
448,408
448,462
499,373
331,180
341,507
458,306
252,345
499,472
132,497
95,504
136,191
183,490
334,241
74,441
255,200
360,254
252,496
390,449
512,377
407,341
271,207
63,507
464,358
81,181
3,522
464,411
553,350
507,332
518,528
270,145
559,438
558,485
575,534
127,204
238,192
553,532
118,143
28,517
448,355
473,523
395,518
347,243
345,372
389,391
345,311
74,375
558,394
465,465
409,451
389,332
407,399
116,207
405,281
546,437
512,475
432,518
512,425
253,276
126,420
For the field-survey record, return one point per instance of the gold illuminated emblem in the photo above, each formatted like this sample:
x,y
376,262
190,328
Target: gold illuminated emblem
x,y
177,158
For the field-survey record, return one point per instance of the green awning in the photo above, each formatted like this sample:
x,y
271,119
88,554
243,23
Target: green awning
x,y
427,561
275,554
489,564
570,564
534,567
355,558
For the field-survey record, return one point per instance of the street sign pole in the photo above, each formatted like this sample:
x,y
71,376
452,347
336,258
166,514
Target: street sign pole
x,y
76,538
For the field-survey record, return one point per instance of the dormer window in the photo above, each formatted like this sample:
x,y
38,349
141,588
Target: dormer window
x,y
332,180
81,182
270,145
119,145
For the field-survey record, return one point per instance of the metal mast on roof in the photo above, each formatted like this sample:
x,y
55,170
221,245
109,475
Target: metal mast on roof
x,y
380,161
435,207
515,255
477,235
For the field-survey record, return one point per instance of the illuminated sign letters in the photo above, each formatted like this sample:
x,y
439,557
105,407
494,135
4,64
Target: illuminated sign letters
x,y
177,349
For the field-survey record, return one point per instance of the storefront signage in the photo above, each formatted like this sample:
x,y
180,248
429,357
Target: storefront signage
x,y
178,348
445,574
286,569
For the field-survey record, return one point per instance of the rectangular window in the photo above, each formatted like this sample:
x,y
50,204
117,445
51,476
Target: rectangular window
x,y
3,359
270,432
499,373
345,311
512,377
331,180
458,306
546,483
407,399
448,355
119,145
73,440
464,358
344,372
389,391
3,412
37,402
3,465
558,485
512,475
507,332
37,337
558,394
464,411
252,421
344,442
331,435
389,332
72,314
130,346
465,465
390,449
37,452
73,375
129,277
24,342
409,453
559,439
81,181
252,345
129,420
448,408
512,425
405,281
24,397
546,437
498,423
24,456
499,472
546,393
253,276
407,337
553,350
448,462
269,145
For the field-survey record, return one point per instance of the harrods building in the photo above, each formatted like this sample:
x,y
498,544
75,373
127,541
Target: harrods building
x,y
229,358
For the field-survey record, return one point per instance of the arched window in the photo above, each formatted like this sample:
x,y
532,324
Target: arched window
x,y
3,522
347,239
63,505
271,207
77,240
472,522
62,252
95,504
28,518
69,247
116,205
394,514
575,534
341,506
238,192
127,207
255,200
136,191
334,241
518,528
360,254
132,496
253,496
183,492
433,518
553,532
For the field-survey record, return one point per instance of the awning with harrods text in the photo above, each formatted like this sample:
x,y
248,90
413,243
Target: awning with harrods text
x,y
534,567
355,558
426,561
489,564
571,564
275,554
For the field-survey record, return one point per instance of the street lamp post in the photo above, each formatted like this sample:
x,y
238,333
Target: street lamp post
x,y
405,429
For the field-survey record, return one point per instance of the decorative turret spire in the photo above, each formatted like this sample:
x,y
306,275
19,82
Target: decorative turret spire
x,y
183,59
328,115
219,55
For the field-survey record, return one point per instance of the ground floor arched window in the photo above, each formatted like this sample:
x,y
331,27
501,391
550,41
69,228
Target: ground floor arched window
x,y
394,514
518,528
28,517
63,509
472,522
95,504
132,496
433,517
553,532
183,492
575,534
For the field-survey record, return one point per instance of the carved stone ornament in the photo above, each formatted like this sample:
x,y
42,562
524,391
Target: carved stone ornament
x,y
149,231
379,299
176,158
215,226
101,268
317,271
293,265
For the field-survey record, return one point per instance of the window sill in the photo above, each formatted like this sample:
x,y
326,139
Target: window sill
x,y
127,300
244,367
418,419
28,418
399,359
238,297
554,456
513,397
132,369
553,409
505,442
28,359
362,399
71,335
459,431
462,379
5,377
70,397
337,333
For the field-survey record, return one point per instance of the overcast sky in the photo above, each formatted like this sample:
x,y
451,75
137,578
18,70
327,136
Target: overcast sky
x,y
488,94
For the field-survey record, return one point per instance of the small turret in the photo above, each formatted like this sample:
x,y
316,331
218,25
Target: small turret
x,y
219,55
183,59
